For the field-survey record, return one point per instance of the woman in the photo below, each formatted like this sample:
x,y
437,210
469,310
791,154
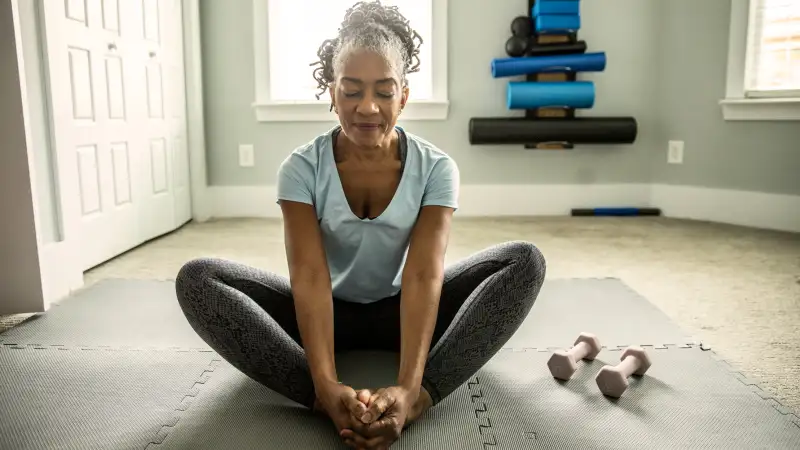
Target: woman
x,y
367,209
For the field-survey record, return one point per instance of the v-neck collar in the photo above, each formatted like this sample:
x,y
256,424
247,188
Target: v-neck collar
x,y
402,147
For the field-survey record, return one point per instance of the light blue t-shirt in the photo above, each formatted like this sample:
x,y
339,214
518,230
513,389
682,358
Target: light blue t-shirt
x,y
366,256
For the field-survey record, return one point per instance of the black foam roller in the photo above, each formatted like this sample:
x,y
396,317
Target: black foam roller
x,y
557,49
584,130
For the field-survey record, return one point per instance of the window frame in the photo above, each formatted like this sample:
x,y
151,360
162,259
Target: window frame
x,y
738,104
269,110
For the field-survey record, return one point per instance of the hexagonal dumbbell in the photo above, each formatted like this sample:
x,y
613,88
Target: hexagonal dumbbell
x,y
613,380
563,364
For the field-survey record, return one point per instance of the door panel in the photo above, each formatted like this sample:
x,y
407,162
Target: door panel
x,y
116,87
89,179
80,77
111,15
151,20
116,127
158,158
155,97
122,173
76,10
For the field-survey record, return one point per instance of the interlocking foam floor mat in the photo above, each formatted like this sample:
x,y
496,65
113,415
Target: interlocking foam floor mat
x,y
118,367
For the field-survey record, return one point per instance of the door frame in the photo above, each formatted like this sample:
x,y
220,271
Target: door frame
x,y
61,276
195,121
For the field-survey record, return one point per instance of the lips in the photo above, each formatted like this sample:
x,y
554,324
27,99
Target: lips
x,y
367,126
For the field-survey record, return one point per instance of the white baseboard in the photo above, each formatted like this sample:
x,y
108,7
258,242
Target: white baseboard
x,y
760,210
751,209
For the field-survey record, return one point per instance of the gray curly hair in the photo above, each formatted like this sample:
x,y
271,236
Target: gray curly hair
x,y
372,26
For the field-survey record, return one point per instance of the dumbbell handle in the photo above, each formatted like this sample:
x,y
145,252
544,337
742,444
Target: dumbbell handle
x,y
579,351
629,365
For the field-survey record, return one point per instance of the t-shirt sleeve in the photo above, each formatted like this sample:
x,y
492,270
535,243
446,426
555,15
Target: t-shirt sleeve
x,y
443,185
296,180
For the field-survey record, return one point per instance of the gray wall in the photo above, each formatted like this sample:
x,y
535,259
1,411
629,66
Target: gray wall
x,y
625,88
754,156
20,280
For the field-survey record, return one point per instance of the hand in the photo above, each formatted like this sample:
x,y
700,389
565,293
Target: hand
x,y
341,403
387,412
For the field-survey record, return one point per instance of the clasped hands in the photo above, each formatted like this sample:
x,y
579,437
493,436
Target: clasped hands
x,y
368,420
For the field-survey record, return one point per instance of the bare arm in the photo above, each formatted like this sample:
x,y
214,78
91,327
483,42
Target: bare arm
x,y
311,288
421,287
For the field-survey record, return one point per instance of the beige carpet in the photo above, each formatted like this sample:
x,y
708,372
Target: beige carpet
x,y
736,289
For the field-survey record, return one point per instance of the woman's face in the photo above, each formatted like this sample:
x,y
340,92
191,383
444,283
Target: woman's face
x,y
368,97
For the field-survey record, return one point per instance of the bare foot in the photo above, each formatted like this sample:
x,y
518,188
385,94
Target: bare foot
x,y
318,407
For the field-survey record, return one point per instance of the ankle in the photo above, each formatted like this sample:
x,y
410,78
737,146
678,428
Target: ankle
x,y
423,403
317,407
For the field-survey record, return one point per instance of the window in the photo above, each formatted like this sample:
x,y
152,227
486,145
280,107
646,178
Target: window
x,y
288,34
773,49
763,61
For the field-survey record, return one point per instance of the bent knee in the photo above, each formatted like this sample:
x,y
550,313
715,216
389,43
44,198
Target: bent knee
x,y
526,253
194,274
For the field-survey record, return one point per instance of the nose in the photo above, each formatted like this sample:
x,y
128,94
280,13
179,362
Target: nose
x,y
367,106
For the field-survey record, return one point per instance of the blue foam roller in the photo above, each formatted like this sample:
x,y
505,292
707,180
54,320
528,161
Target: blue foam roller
x,y
559,7
541,94
557,22
583,62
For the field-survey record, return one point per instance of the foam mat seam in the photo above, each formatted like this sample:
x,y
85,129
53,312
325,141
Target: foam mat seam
x,y
754,387
109,348
184,405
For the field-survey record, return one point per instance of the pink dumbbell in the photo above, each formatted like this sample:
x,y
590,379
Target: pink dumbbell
x,y
563,364
613,380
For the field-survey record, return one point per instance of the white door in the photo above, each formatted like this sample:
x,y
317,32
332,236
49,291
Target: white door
x,y
113,139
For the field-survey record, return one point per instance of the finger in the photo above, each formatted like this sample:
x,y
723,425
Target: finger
x,y
377,408
354,405
372,398
364,395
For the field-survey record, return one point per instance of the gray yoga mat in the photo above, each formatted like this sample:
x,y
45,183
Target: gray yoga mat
x,y
687,400
143,313
57,395
116,313
70,398
618,315
232,411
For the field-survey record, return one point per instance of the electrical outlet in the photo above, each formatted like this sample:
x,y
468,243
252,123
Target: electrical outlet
x,y
675,152
247,156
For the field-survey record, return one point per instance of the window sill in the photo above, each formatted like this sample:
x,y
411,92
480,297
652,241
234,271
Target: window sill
x,y
766,109
320,111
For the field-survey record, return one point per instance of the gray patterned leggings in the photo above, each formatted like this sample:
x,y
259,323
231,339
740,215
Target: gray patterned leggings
x,y
247,316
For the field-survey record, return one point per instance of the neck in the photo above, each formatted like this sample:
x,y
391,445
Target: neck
x,y
351,150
